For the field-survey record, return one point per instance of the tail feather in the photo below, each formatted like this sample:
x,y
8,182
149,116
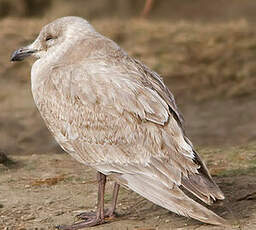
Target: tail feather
x,y
172,199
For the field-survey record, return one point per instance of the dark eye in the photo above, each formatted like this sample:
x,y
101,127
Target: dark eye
x,y
49,37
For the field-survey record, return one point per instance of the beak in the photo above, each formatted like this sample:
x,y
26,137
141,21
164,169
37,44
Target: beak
x,y
20,54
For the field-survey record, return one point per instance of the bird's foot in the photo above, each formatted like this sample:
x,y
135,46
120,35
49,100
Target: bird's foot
x,y
89,219
108,214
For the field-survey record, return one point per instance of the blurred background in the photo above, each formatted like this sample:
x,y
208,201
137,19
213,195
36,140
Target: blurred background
x,y
204,50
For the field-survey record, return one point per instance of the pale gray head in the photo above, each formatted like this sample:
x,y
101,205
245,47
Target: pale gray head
x,y
52,36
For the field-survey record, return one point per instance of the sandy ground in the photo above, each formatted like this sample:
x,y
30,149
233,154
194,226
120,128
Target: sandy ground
x,y
42,191
215,88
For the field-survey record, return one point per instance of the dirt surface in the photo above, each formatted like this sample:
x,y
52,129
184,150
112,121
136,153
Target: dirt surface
x,y
211,71
42,191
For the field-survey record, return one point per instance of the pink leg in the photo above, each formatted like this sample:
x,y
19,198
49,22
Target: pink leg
x,y
92,219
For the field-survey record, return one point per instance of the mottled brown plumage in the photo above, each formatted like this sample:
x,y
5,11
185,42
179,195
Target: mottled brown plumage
x,y
114,114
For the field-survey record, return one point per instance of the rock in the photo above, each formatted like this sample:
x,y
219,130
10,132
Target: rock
x,y
3,158
58,213
28,217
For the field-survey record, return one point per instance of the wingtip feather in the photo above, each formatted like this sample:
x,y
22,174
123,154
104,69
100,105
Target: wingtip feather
x,y
172,199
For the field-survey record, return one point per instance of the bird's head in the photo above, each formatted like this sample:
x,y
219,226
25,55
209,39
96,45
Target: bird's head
x,y
68,29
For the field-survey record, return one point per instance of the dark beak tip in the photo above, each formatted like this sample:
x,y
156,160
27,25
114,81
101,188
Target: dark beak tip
x,y
12,58
20,54
15,56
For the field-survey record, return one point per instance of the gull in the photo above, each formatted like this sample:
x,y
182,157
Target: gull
x,y
114,114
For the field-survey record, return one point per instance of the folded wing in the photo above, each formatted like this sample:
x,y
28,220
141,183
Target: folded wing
x,y
124,121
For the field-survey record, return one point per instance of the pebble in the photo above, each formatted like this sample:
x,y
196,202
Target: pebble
x,y
47,202
58,213
28,217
